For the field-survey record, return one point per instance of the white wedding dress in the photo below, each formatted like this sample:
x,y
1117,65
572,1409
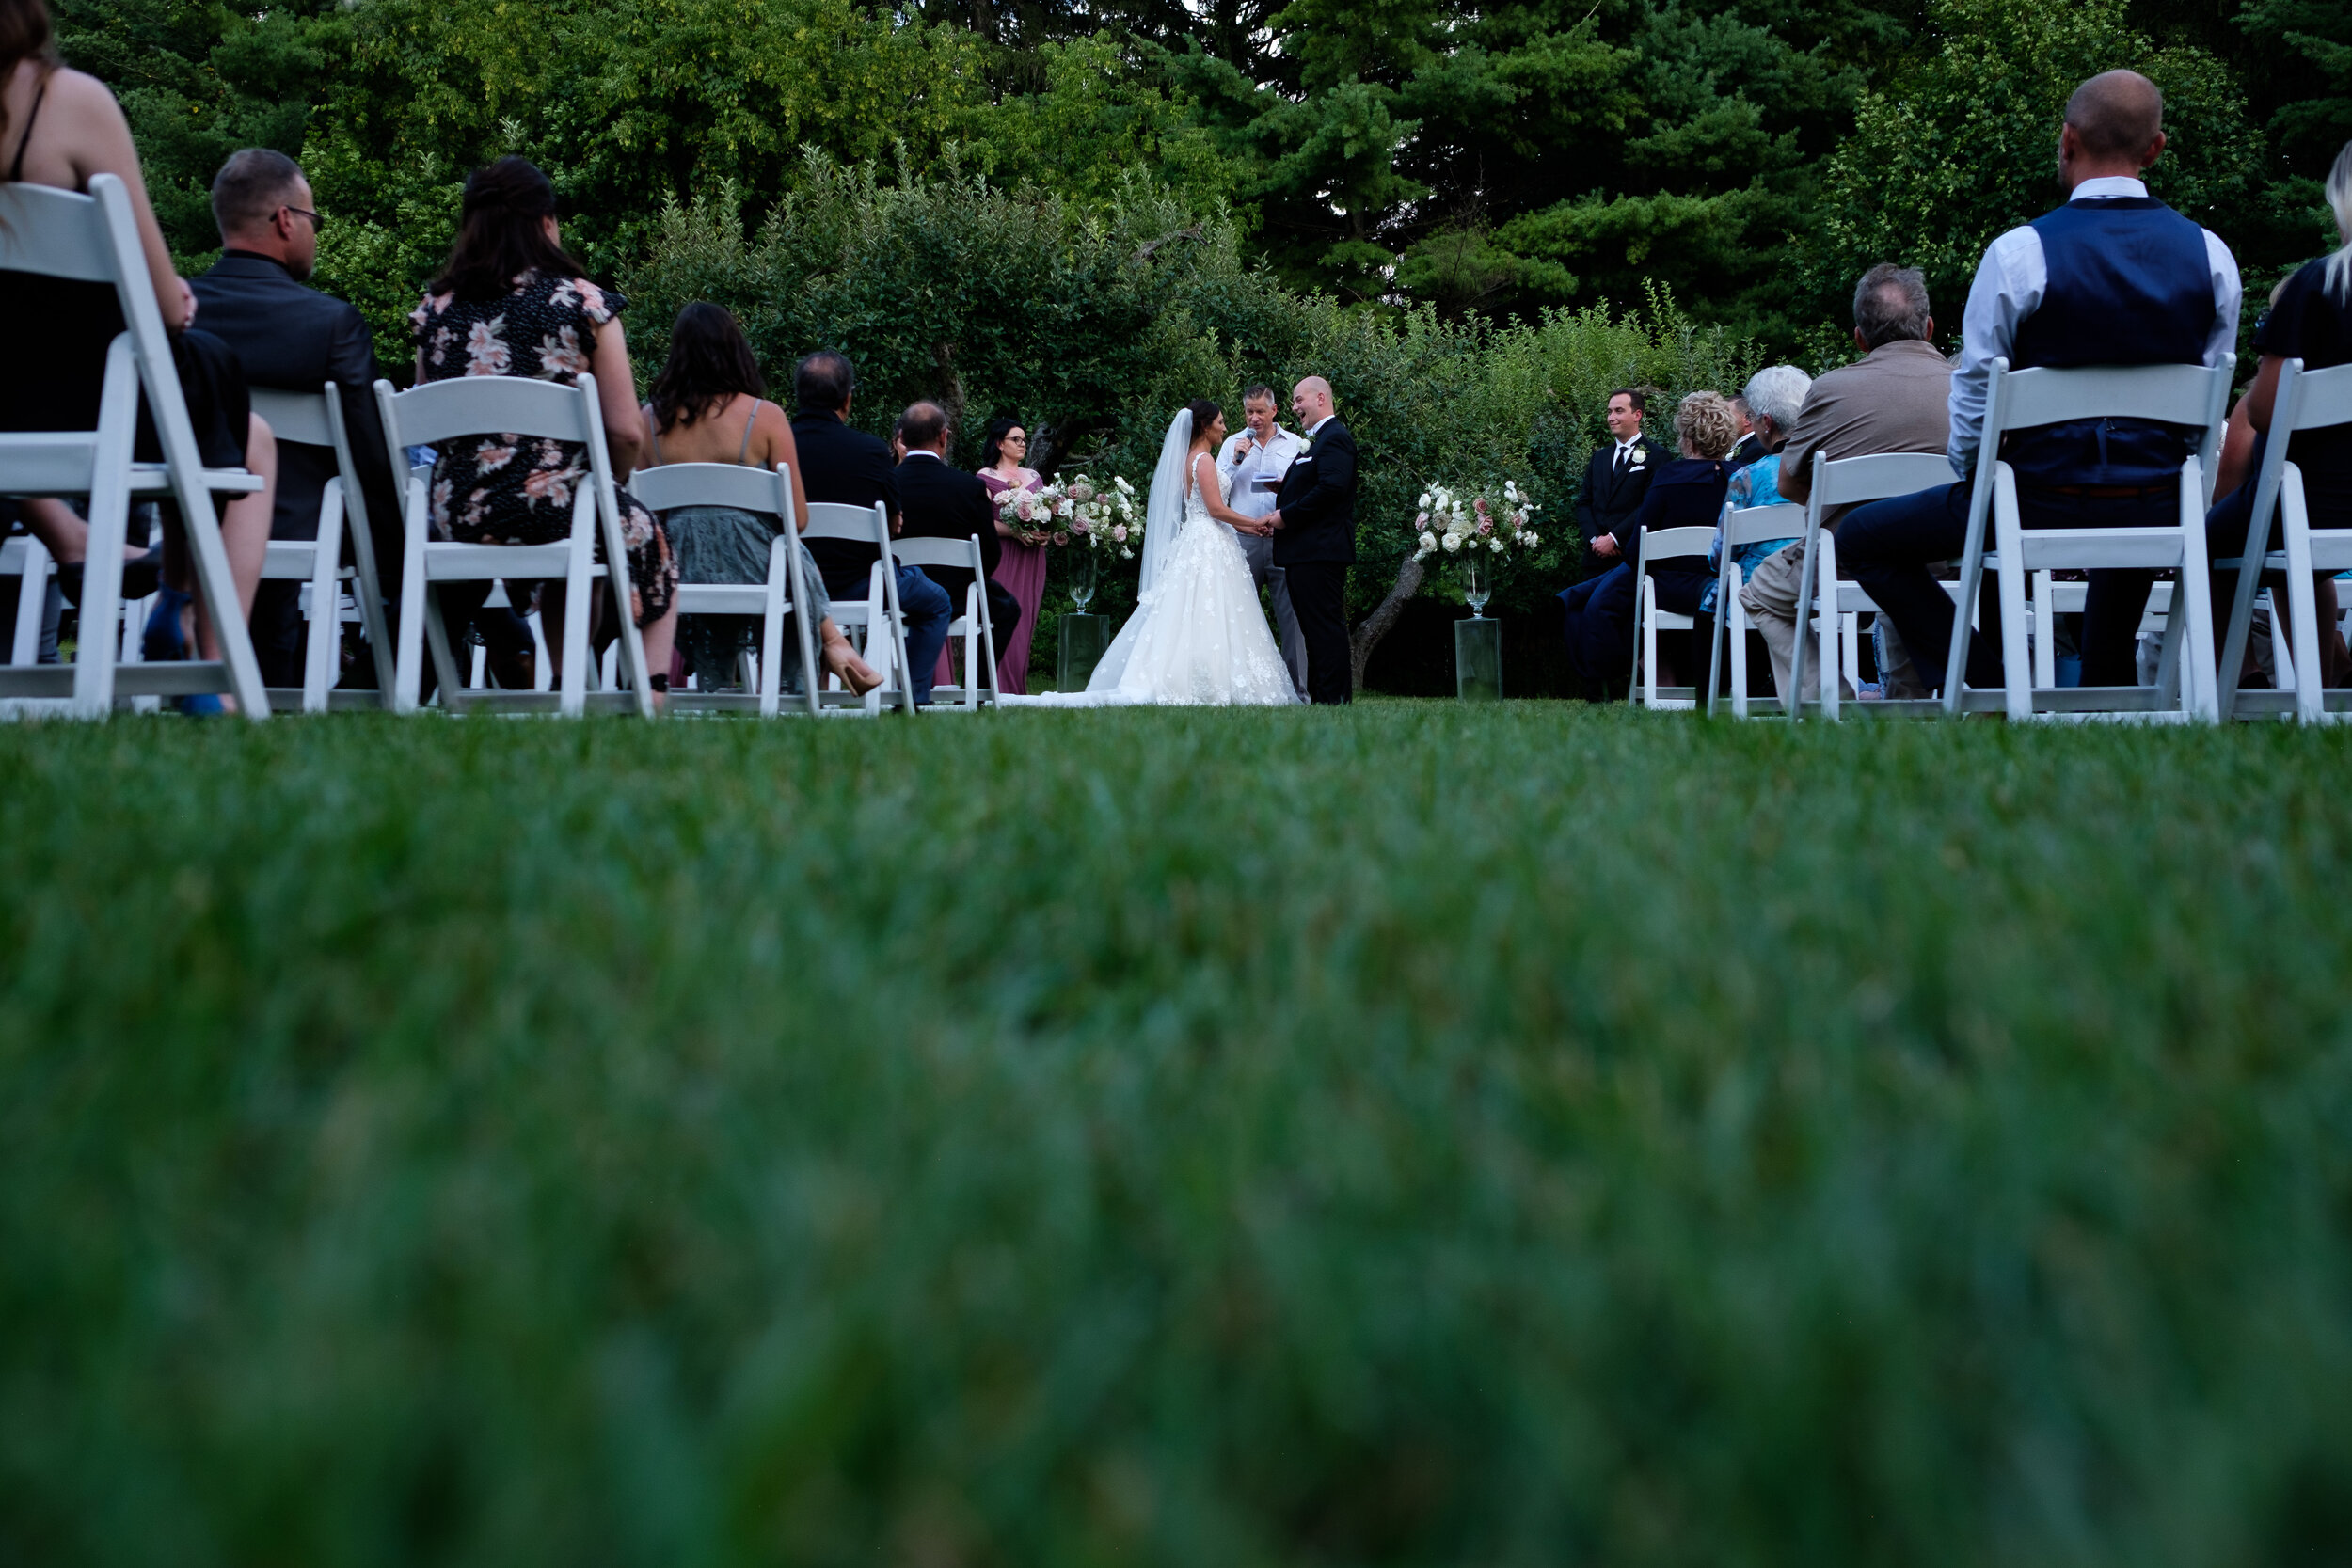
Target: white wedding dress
x,y
1199,635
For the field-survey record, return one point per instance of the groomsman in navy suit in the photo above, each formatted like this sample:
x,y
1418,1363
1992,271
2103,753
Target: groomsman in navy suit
x,y
1615,481
2113,278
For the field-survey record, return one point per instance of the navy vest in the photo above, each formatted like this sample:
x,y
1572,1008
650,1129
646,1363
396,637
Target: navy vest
x,y
2129,284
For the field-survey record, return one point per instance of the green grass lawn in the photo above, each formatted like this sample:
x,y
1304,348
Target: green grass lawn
x,y
1416,1134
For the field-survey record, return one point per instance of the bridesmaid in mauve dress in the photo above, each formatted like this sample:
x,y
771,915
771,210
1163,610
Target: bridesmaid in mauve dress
x,y
1022,568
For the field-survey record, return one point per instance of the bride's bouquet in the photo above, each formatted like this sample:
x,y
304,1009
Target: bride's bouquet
x,y
1041,516
1105,516
1493,520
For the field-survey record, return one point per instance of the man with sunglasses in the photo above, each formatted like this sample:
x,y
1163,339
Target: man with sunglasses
x,y
258,299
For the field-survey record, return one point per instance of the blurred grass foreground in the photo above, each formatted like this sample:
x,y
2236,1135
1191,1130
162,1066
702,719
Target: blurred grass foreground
x,y
1415,1134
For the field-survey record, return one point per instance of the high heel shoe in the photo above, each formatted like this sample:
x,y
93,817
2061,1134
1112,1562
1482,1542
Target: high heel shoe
x,y
855,673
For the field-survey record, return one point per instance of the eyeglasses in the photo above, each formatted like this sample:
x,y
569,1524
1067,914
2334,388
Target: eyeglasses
x,y
317,222
1016,440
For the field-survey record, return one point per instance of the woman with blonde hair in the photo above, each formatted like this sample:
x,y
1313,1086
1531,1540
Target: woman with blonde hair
x,y
1688,492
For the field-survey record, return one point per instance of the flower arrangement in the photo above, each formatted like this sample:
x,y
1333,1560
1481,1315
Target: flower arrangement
x,y
1492,519
1041,516
1105,516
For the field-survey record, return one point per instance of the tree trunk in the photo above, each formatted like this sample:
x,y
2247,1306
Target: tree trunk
x,y
1375,626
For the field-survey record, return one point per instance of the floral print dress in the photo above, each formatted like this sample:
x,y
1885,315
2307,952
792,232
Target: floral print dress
x,y
503,489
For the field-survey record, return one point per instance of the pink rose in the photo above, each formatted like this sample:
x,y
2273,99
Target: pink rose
x,y
1118,533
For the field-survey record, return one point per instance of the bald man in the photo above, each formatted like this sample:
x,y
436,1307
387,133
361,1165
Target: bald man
x,y
1314,539
2113,278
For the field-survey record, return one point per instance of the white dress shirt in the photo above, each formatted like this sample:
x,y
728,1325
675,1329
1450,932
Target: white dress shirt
x,y
2009,288
1259,474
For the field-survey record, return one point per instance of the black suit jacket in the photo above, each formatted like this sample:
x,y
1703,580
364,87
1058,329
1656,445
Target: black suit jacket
x,y
841,462
945,502
1317,500
289,336
1609,499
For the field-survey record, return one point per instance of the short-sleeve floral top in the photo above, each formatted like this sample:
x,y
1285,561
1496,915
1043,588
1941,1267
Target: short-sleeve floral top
x,y
504,489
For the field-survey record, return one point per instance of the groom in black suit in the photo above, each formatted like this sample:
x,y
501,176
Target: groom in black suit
x,y
1615,481
1315,540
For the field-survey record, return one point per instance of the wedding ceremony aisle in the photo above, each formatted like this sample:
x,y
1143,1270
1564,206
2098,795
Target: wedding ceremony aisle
x,y
1420,1133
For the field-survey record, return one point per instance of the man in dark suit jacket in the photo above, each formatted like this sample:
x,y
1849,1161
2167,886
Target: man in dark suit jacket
x,y
1315,540
1615,481
291,337
842,464
942,502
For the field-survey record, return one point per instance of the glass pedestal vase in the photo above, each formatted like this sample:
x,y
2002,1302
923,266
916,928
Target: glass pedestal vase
x,y
1085,639
1478,659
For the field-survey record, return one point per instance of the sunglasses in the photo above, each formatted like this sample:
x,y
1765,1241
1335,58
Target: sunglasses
x,y
317,222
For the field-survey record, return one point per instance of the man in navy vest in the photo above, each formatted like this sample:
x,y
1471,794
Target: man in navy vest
x,y
2113,278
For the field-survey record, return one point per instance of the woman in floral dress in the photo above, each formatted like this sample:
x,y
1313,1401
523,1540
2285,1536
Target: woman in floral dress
x,y
510,302
1021,567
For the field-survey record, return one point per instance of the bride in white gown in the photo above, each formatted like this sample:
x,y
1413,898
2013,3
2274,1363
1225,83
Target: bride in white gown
x,y
1199,635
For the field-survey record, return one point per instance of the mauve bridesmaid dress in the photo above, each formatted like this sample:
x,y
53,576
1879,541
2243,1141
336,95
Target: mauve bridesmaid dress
x,y
1022,569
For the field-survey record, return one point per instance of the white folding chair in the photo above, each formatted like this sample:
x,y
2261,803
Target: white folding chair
x,y
1741,528
94,239
874,623
316,420
768,492
2305,400
2188,395
510,405
972,628
1665,543
1848,482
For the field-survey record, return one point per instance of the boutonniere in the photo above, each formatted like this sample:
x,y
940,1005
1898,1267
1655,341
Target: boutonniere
x,y
1305,443
1640,455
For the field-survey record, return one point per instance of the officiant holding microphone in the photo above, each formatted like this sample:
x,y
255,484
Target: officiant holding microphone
x,y
1255,458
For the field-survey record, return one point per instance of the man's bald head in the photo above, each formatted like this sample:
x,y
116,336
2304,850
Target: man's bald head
x,y
1310,400
2117,116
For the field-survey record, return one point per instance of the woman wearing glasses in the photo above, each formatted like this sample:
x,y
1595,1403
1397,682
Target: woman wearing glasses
x,y
1022,568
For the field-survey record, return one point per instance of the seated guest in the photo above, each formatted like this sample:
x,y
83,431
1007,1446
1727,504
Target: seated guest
x,y
2113,278
257,299
1895,398
509,301
945,502
1685,493
59,128
2309,319
1772,398
842,464
1616,478
708,405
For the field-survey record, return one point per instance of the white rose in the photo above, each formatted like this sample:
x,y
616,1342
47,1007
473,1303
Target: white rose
x,y
1453,543
1428,540
1125,488
1424,502
1497,544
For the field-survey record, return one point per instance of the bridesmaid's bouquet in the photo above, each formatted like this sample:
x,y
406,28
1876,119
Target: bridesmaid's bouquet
x,y
1497,519
1104,516
1041,516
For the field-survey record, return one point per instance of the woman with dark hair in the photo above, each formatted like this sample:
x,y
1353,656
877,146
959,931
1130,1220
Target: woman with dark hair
x,y
1022,567
510,302
709,405
59,128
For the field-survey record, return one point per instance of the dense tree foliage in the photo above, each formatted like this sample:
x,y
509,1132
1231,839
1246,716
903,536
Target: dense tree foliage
x,y
1747,154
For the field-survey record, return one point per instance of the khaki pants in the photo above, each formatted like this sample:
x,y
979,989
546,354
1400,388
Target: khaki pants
x,y
1771,601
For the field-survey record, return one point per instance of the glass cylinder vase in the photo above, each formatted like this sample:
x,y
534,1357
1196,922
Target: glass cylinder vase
x,y
1478,659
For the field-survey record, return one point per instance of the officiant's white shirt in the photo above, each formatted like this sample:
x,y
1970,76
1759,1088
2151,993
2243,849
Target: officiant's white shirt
x,y
1258,476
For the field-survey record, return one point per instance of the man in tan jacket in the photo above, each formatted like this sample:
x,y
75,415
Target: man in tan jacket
x,y
1896,398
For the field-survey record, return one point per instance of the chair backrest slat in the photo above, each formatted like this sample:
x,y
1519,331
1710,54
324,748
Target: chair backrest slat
x,y
490,405
54,234
674,485
1670,544
839,521
1850,481
296,416
928,550
2324,398
2171,394
1750,525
